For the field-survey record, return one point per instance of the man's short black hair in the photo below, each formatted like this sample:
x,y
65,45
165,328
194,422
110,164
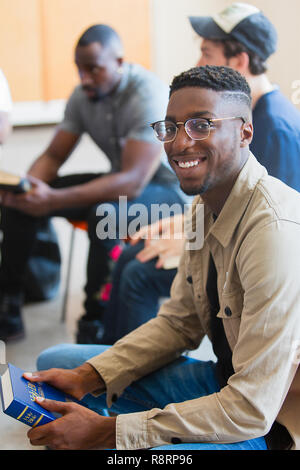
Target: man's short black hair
x,y
216,78
103,34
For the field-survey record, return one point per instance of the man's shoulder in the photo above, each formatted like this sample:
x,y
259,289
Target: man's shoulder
x,y
276,112
139,73
77,94
142,80
276,200
143,93
271,220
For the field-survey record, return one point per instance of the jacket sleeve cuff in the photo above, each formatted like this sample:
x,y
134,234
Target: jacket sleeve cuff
x,y
114,384
131,431
137,431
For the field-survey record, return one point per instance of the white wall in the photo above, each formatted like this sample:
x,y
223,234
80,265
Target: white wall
x,y
176,46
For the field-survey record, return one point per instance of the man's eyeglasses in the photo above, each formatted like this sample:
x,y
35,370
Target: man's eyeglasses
x,y
196,128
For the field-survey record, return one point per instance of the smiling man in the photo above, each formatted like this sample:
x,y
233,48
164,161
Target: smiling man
x,y
210,165
243,38
113,104
240,288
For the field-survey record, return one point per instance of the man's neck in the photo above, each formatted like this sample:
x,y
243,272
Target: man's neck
x,y
216,197
260,85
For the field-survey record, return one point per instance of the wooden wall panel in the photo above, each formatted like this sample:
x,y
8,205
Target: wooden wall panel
x,y
20,48
64,22
37,39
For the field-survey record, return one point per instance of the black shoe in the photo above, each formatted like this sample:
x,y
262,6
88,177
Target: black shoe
x,y
11,324
89,331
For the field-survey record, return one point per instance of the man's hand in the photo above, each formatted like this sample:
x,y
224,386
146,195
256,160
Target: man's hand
x,y
164,250
78,429
164,240
76,382
39,200
167,228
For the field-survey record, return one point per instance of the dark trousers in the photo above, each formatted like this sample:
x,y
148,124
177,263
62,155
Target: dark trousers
x,y
136,292
19,235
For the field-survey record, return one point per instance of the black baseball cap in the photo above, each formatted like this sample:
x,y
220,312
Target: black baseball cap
x,y
243,22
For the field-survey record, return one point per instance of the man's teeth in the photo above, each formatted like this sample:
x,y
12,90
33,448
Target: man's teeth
x,y
188,164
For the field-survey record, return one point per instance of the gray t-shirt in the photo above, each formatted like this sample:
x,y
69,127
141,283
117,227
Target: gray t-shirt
x,y
140,99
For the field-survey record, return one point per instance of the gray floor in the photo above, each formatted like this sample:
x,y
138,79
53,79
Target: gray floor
x,y
43,320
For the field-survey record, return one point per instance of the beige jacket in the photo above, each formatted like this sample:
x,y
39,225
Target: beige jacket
x,y
255,243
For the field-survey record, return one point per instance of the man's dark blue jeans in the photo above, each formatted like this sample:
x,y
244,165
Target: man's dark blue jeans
x,y
137,289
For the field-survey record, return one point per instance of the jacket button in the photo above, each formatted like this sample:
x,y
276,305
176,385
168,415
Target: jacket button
x,y
114,397
176,440
189,279
227,311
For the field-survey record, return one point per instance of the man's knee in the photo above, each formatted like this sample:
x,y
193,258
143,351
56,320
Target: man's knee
x,y
136,275
67,356
54,356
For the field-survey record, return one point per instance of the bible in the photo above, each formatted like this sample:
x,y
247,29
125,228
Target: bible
x,y
16,184
18,397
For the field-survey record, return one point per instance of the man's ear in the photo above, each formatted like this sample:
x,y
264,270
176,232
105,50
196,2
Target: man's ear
x,y
240,62
246,134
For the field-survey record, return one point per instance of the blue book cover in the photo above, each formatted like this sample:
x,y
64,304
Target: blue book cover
x,y
18,397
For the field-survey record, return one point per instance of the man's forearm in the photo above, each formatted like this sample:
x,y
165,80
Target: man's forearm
x,y
44,168
105,188
95,384
91,379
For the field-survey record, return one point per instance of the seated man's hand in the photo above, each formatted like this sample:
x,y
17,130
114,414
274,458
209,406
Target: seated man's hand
x,y
77,429
38,201
164,240
76,382
164,228
163,249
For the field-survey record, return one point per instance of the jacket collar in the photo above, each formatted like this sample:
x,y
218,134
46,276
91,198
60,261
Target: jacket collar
x,y
236,203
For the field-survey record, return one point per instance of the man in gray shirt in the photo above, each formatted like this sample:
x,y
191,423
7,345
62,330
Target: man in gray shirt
x,y
114,104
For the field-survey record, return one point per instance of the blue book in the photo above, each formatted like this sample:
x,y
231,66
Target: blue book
x,y
18,397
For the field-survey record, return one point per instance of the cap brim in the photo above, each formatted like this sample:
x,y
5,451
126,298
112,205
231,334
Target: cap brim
x,y
207,28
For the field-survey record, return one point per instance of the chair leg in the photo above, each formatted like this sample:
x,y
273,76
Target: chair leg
x,y
68,276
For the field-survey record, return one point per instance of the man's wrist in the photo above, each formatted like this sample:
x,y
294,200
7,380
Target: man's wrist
x,y
109,432
90,378
57,201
